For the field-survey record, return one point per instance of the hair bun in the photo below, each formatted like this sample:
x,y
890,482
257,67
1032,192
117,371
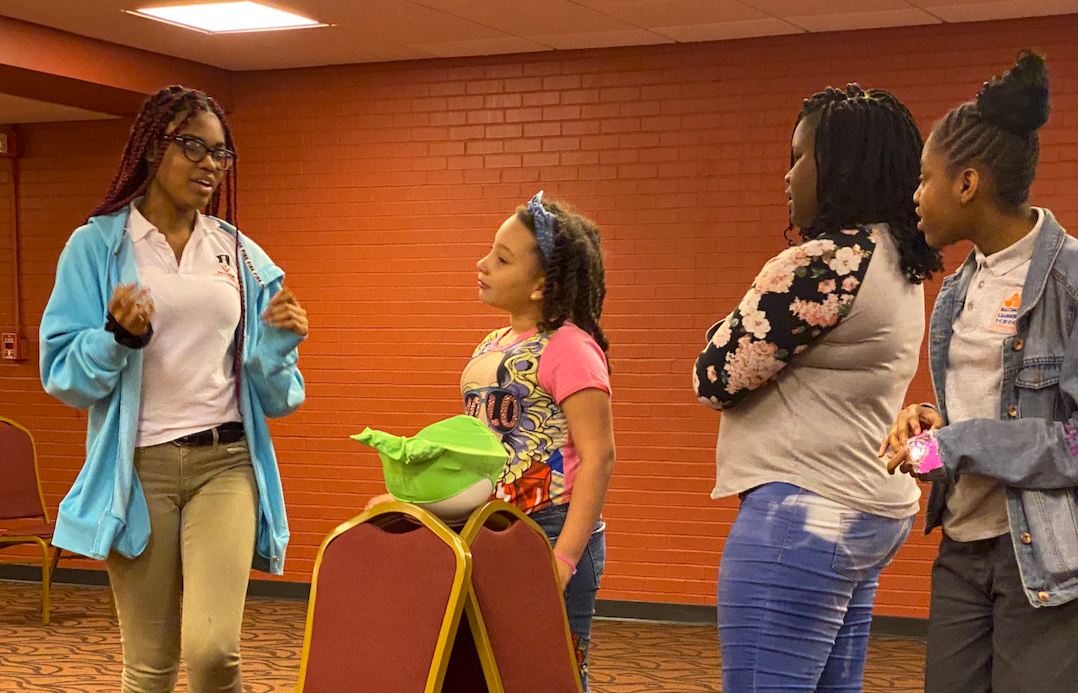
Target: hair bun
x,y
1017,101
854,90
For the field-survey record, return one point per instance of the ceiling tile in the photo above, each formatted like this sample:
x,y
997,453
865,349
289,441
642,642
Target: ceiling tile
x,y
648,14
729,30
532,17
92,19
402,22
498,46
332,46
985,10
605,39
805,8
863,20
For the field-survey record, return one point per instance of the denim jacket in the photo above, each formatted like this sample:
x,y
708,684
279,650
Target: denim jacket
x,y
1033,447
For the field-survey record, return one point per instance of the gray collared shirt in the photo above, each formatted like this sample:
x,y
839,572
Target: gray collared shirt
x,y
977,505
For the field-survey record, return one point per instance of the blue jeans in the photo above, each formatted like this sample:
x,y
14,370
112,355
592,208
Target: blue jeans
x,y
582,588
796,584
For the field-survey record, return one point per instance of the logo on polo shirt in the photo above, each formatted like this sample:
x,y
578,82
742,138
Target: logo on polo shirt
x,y
1007,316
225,270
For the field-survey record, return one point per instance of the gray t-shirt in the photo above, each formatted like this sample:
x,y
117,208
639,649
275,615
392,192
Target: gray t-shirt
x,y
819,423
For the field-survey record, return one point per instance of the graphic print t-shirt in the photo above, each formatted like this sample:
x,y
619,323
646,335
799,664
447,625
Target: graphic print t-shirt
x,y
517,390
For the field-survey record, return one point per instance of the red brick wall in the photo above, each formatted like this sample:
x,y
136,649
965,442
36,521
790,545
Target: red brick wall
x,y
7,265
63,171
377,188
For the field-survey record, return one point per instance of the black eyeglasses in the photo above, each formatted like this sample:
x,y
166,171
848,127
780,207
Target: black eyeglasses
x,y
196,150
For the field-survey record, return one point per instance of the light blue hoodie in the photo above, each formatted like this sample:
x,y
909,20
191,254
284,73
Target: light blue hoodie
x,y
83,366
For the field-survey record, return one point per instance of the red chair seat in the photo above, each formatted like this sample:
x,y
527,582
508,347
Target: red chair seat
x,y
42,530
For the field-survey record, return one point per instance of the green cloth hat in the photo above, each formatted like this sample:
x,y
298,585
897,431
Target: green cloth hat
x,y
442,460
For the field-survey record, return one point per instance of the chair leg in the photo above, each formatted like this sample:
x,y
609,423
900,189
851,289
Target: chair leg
x,y
46,582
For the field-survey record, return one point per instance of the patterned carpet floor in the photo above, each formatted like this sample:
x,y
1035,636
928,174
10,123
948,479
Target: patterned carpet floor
x,y
79,652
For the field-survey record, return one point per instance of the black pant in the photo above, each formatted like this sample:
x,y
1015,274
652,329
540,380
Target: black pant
x,y
983,634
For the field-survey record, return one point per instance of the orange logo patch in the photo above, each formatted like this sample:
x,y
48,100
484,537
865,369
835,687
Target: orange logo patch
x,y
1006,319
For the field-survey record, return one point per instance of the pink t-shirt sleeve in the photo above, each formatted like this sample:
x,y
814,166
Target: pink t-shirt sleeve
x,y
572,361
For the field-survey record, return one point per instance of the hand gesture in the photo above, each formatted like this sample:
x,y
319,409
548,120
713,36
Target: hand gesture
x,y
132,307
285,313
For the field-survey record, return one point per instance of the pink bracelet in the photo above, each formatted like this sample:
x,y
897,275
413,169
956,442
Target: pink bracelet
x,y
566,561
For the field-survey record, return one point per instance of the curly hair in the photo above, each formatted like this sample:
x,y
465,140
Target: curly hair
x,y
998,131
146,144
868,162
575,282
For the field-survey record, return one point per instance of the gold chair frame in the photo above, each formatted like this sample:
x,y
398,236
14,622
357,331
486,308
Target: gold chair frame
x,y
48,567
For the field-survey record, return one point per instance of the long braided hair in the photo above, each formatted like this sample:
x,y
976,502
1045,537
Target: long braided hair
x,y
146,145
575,282
998,131
868,162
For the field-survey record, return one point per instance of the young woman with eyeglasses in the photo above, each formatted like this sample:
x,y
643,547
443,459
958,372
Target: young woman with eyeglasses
x,y
177,334
542,384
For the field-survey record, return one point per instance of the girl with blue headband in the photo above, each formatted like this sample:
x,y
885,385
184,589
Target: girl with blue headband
x,y
542,385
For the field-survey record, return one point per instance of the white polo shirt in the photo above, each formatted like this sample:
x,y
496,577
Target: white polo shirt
x,y
977,505
187,379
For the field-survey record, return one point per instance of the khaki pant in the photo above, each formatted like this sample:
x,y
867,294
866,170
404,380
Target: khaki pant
x,y
202,503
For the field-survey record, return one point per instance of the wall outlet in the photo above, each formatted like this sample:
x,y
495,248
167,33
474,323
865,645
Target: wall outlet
x,y
11,347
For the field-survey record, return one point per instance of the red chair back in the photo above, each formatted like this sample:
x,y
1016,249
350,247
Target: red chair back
x,y
378,610
523,608
20,493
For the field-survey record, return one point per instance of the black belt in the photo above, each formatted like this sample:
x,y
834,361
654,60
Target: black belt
x,y
745,494
225,433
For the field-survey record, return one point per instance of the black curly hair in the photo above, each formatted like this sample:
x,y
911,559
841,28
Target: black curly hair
x,y
997,132
868,162
575,283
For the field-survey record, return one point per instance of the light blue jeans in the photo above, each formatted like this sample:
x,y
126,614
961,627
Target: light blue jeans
x,y
581,591
796,584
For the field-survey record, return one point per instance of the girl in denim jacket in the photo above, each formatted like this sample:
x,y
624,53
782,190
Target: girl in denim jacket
x,y
1001,446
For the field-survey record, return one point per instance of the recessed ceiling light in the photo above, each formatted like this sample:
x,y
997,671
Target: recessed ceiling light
x,y
227,17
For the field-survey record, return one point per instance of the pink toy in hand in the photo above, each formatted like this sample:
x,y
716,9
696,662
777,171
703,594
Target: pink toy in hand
x,y
924,453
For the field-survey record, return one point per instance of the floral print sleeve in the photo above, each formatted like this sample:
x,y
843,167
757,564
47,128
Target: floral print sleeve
x,y
799,296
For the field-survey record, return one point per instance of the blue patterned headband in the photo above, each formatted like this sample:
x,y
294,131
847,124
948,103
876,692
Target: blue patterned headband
x,y
544,224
